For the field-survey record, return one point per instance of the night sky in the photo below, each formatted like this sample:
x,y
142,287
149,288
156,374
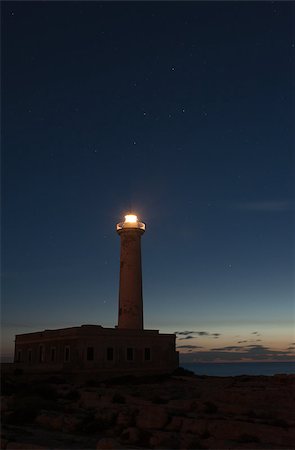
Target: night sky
x,y
180,112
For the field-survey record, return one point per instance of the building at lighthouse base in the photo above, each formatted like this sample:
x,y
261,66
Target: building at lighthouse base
x,y
91,348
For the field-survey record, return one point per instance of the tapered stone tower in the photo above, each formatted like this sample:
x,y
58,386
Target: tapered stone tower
x,y
130,289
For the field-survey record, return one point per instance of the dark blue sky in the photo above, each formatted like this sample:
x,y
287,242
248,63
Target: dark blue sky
x,y
179,111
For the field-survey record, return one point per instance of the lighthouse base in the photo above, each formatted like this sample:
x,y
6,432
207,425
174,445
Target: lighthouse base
x,y
94,349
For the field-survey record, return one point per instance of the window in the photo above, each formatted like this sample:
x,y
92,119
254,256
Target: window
x,y
129,354
53,354
19,356
29,355
90,354
110,354
67,353
41,353
147,354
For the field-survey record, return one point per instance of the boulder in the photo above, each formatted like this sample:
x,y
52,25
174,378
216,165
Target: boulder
x,y
24,446
194,426
3,443
6,403
71,423
132,435
106,416
50,420
89,400
152,417
175,424
184,405
190,441
251,432
58,422
108,443
125,418
164,439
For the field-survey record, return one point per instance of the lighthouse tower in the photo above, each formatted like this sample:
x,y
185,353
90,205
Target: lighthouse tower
x,y
130,290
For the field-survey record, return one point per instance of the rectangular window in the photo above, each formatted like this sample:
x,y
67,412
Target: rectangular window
x,y
147,354
67,353
110,354
41,353
53,354
129,354
90,354
30,355
19,356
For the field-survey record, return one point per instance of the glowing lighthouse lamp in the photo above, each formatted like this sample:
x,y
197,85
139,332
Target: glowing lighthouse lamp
x,y
131,221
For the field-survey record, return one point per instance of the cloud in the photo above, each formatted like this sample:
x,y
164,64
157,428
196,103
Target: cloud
x,y
242,342
228,348
216,335
186,337
189,346
266,206
190,334
184,333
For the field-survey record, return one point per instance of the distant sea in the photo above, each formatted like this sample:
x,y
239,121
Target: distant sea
x,y
245,368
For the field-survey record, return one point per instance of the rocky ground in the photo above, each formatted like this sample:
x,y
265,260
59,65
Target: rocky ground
x,y
172,412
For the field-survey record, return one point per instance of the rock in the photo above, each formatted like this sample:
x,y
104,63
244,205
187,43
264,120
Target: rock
x,y
108,443
194,426
164,439
50,420
183,405
152,417
89,400
6,404
3,443
106,416
125,418
58,422
24,446
71,423
132,435
175,424
190,441
251,432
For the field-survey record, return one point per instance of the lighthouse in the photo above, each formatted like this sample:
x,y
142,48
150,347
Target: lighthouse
x,y
127,348
130,287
